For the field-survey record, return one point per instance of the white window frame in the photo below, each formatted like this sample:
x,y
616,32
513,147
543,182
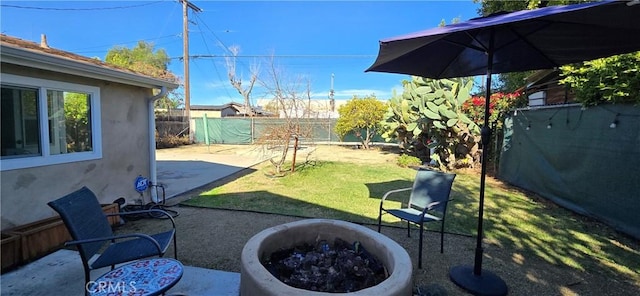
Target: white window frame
x,y
46,158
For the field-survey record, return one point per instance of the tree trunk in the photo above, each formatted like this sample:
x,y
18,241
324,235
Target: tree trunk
x,y
295,152
283,156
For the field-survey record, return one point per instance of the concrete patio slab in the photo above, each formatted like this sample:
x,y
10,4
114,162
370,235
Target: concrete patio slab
x,y
61,273
187,168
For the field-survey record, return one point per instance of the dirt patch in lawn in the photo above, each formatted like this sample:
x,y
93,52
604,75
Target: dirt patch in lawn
x,y
214,239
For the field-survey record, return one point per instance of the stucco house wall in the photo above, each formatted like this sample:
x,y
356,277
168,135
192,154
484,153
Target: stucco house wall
x,y
210,113
125,152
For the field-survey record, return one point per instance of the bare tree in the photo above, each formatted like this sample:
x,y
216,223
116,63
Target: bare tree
x,y
236,82
289,97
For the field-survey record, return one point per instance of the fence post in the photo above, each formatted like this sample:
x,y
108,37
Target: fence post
x,y
205,127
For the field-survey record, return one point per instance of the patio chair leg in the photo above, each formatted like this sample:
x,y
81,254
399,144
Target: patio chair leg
x,y
442,238
175,247
408,229
420,247
87,278
379,221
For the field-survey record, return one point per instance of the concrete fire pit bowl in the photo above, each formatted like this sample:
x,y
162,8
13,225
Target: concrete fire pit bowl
x,y
255,279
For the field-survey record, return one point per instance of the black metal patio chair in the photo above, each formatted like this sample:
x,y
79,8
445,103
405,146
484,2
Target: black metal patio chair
x,y
91,233
427,203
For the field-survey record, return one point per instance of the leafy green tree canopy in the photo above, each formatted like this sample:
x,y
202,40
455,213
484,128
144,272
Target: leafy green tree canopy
x,y
141,58
361,116
613,80
488,7
145,59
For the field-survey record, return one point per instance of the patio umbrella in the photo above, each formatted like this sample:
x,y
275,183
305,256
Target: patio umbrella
x,y
510,42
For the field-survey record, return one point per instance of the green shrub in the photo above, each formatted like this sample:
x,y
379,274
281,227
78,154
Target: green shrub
x,y
611,80
405,160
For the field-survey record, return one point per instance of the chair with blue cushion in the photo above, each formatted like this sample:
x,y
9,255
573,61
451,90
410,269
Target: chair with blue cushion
x,y
91,233
427,203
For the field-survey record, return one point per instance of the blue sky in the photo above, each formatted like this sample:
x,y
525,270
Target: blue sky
x,y
309,40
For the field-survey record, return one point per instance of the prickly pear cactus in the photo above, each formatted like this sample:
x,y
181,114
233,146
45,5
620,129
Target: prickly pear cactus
x,y
430,111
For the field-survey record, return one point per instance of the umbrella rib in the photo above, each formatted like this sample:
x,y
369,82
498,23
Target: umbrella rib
x,y
531,45
478,48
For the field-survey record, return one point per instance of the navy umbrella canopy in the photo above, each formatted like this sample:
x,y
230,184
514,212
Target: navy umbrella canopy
x,y
543,38
524,40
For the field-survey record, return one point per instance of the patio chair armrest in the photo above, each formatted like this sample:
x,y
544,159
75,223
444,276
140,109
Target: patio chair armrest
x,y
392,192
430,206
116,237
163,213
433,204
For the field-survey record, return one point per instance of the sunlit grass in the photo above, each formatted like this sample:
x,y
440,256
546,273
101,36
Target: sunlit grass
x,y
310,192
512,219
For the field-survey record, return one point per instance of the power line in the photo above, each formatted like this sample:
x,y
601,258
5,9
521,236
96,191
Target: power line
x,y
226,49
168,19
201,21
226,90
78,9
221,44
279,56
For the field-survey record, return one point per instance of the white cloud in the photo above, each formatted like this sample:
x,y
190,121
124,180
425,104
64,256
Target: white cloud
x,y
349,93
217,85
383,94
345,94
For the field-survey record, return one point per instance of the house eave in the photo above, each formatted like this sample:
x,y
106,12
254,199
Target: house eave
x,y
38,60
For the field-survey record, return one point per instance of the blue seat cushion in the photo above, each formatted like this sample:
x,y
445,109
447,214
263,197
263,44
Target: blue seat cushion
x,y
412,215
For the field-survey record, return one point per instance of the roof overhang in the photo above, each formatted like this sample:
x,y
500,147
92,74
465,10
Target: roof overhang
x,y
41,60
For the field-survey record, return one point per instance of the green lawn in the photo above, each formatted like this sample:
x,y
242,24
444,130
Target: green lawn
x,y
352,192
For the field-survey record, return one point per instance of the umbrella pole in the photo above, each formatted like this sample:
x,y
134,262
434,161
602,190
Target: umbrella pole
x,y
474,279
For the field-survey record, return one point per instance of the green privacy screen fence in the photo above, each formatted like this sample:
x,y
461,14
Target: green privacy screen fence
x,y
587,160
246,130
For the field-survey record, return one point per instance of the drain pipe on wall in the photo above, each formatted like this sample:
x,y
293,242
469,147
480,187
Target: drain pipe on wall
x,y
153,176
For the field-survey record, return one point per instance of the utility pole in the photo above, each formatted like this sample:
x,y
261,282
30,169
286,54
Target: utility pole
x,y
332,102
185,55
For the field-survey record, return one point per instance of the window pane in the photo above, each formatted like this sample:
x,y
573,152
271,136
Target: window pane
x,y
69,122
20,122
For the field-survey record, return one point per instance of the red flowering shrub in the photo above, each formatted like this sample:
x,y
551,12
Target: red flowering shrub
x,y
499,104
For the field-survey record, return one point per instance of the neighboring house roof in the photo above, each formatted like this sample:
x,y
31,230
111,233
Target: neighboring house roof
x,y
239,108
541,77
234,105
30,54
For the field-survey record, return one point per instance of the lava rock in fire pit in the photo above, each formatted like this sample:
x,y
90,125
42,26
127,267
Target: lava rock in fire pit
x,y
340,268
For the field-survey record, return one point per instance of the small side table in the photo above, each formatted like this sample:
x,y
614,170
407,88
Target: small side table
x,y
142,277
